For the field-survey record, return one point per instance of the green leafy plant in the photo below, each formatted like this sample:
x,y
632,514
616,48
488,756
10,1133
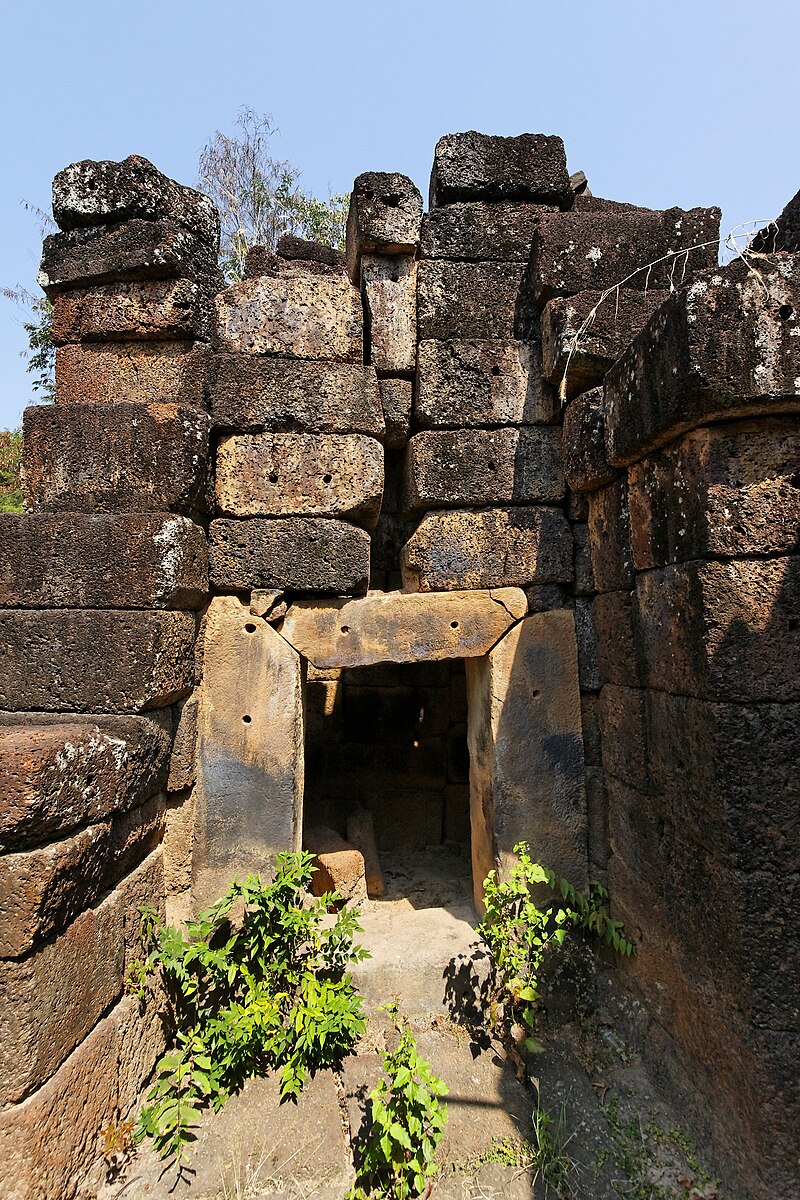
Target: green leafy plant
x,y
254,983
10,467
519,932
550,1158
407,1122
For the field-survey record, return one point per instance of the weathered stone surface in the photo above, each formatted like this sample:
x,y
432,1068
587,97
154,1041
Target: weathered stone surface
x,y
82,661
610,538
49,1143
401,627
783,233
97,193
526,750
585,463
729,774
579,252
42,890
361,834
50,1000
102,560
724,346
56,773
584,575
292,248
623,734
184,746
583,335
286,396
300,554
300,315
588,670
730,490
483,383
477,231
248,797
722,630
389,290
397,397
384,217
149,310
314,475
467,300
102,373
476,166
453,469
84,258
339,866
107,458
492,547
617,654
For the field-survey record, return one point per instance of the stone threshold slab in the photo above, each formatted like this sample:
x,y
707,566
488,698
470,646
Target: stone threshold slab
x,y
401,627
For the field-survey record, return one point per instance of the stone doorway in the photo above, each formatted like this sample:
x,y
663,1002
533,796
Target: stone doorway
x,y
259,694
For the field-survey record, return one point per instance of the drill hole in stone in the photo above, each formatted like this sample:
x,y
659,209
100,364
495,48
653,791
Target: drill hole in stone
x,y
495,370
785,311
392,200
454,624
246,719
345,629
249,627
273,478
491,466
327,478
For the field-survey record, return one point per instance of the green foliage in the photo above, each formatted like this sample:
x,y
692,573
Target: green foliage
x,y
267,990
549,1156
41,353
407,1122
519,933
10,466
259,197
658,1163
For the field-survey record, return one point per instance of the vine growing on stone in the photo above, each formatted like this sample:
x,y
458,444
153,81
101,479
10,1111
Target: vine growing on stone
x,y
255,983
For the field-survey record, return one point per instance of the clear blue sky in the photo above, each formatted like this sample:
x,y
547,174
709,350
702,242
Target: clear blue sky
x,y
685,102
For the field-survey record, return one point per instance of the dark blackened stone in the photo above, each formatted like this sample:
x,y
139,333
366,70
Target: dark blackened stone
x,y
101,193
284,395
116,458
783,233
131,250
260,260
722,347
585,462
467,300
479,231
102,560
295,247
300,554
476,166
577,252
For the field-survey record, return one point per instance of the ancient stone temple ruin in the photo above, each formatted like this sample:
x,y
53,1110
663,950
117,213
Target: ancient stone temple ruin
x,y
484,531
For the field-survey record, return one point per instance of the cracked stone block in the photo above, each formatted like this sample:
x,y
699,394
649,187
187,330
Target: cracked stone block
x,y
725,346
613,618
81,660
402,627
478,231
107,373
389,289
143,310
301,554
583,335
477,166
134,250
300,315
91,193
488,548
57,773
485,383
585,462
286,474
459,468
116,458
467,300
102,560
579,252
728,491
384,217
295,396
